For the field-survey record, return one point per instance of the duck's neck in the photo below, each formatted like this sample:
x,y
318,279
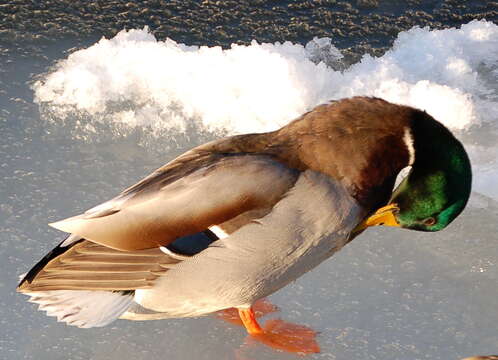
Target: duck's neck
x,y
391,155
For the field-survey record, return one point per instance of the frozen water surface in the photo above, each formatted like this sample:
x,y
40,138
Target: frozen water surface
x,y
105,116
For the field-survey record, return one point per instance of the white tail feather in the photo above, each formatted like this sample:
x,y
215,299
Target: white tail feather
x,y
82,308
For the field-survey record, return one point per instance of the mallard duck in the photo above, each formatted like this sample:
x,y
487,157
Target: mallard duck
x,y
234,220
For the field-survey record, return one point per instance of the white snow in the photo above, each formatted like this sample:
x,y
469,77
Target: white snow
x,y
262,86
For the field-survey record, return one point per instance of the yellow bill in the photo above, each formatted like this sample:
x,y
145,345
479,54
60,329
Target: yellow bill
x,y
383,216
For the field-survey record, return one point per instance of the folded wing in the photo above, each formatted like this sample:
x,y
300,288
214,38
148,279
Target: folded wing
x,y
184,198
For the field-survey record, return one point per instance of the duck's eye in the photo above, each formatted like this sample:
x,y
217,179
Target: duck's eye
x,y
429,221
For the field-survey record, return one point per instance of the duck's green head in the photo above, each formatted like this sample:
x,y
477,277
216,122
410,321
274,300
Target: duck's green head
x,y
438,186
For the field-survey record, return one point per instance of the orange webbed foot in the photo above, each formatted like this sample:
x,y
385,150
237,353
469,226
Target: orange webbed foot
x,y
261,308
288,337
280,335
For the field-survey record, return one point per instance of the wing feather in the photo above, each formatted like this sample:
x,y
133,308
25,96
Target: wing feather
x,y
184,200
89,266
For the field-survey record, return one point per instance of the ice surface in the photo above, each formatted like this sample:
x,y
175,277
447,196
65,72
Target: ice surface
x,y
390,294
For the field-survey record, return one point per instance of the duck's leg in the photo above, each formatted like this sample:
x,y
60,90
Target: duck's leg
x,y
248,318
261,308
279,334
